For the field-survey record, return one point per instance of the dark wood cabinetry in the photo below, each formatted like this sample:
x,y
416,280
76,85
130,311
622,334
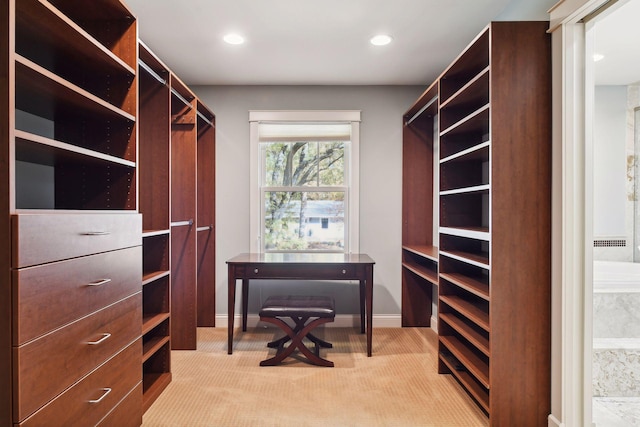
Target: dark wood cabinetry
x,y
154,139
493,258
206,196
71,262
419,253
177,202
95,131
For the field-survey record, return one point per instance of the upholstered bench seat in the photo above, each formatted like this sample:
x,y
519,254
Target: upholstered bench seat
x,y
307,312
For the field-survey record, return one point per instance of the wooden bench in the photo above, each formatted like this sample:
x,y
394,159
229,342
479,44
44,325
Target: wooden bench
x,y
315,310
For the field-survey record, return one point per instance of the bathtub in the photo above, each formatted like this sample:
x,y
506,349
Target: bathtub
x,y
616,276
616,328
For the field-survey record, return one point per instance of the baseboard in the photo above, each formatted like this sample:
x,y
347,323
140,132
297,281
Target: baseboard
x,y
341,321
554,422
434,323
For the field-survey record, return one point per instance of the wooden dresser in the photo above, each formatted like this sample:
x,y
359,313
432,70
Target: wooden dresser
x,y
77,311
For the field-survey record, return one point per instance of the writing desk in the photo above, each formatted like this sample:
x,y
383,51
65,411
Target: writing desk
x,y
301,266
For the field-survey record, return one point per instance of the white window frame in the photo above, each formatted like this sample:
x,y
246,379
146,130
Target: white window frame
x,y
352,205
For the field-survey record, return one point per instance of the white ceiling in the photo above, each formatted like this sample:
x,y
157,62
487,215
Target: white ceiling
x,y
304,42
616,36
326,42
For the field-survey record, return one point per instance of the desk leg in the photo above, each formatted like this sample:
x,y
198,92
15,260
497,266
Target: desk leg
x,y
231,291
245,303
363,300
369,299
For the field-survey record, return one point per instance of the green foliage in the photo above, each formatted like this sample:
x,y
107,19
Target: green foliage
x,y
298,164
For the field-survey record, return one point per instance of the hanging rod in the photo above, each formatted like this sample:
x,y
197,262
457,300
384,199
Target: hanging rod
x,y
181,98
420,111
203,117
149,70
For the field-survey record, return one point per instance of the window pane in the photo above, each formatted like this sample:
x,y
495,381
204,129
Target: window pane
x,y
331,163
301,220
301,164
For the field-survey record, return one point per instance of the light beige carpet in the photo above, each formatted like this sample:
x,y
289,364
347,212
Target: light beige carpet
x,y
397,386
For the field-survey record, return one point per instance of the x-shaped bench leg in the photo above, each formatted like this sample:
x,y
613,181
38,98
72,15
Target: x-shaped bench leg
x,y
296,336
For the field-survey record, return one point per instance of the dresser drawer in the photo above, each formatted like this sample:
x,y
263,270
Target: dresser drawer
x,y
51,295
96,395
47,366
128,413
42,238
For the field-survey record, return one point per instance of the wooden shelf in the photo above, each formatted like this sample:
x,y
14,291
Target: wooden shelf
x,y
150,321
468,310
478,340
480,394
41,92
473,259
476,152
154,233
151,346
426,251
474,365
38,149
476,89
478,118
153,276
153,386
484,188
469,284
42,21
423,272
480,233
471,98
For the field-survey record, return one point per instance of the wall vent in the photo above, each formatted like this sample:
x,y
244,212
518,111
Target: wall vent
x,y
609,243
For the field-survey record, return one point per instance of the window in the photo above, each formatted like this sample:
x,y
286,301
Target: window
x,y
304,181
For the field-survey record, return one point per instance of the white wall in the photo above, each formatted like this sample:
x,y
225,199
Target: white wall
x,y
380,180
610,162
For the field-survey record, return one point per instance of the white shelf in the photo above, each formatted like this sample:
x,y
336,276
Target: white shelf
x,y
474,189
466,232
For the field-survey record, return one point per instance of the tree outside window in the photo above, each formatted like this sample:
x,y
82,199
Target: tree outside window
x,y
304,196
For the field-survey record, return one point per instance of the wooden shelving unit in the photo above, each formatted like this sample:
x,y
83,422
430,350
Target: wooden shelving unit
x,y
488,118
68,138
494,279
154,136
419,253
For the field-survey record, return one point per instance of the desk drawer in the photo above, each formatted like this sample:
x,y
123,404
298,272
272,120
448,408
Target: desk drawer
x,y
52,295
48,365
106,387
301,271
42,238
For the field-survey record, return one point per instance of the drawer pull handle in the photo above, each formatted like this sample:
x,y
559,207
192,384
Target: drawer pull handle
x,y
344,271
98,400
96,233
99,282
255,271
104,337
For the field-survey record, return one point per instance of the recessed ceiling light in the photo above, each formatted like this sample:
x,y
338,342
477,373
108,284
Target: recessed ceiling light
x,y
380,40
234,38
597,57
